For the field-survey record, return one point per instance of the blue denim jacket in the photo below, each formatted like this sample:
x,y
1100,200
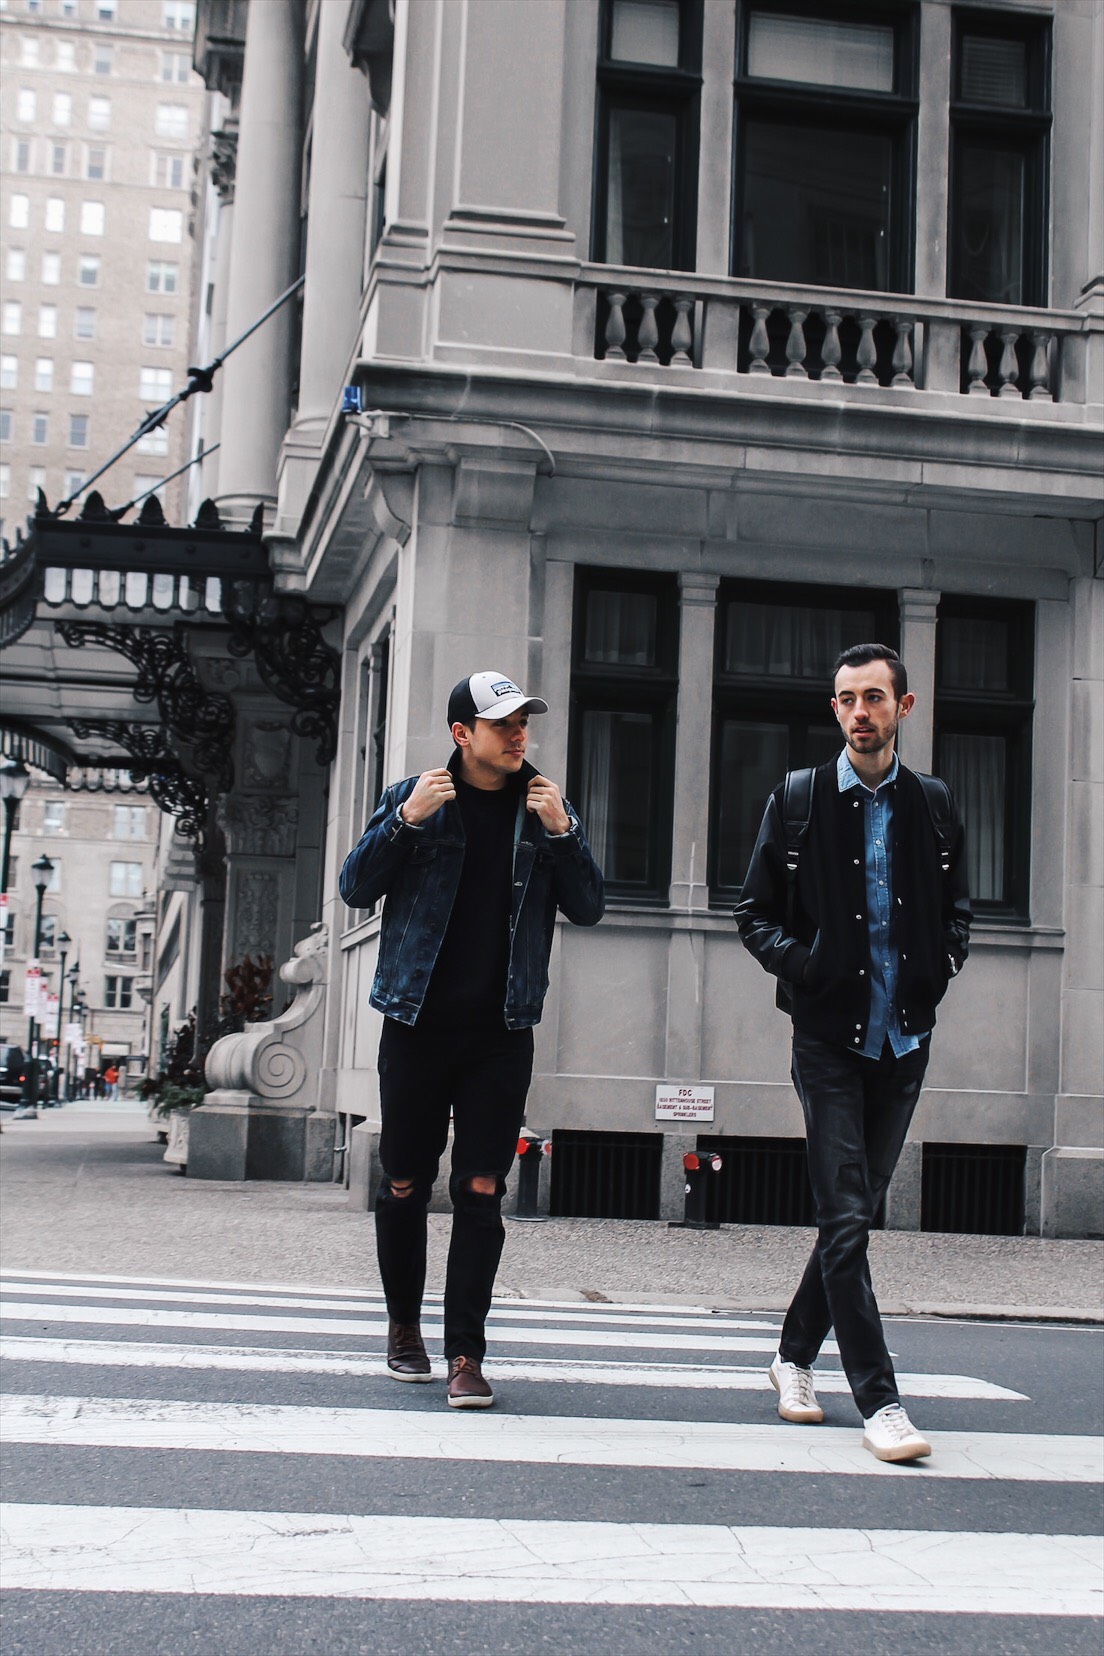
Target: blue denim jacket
x,y
417,871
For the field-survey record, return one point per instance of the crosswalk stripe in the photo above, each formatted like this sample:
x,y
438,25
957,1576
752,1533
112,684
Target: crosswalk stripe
x,y
580,1370
525,1561
400,1434
156,1317
498,1312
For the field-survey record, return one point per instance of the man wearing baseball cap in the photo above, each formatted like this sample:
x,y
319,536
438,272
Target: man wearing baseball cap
x,y
472,861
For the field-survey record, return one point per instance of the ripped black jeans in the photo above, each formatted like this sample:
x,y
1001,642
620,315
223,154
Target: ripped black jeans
x,y
481,1074
857,1113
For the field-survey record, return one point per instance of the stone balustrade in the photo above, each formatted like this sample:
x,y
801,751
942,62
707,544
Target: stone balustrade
x,y
131,589
681,322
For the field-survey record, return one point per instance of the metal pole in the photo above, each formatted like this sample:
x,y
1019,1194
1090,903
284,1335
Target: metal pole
x,y
69,1049
29,1109
10,808
55,1079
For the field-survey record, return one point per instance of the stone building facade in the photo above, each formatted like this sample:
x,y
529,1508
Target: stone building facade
x,y
100,112
691,341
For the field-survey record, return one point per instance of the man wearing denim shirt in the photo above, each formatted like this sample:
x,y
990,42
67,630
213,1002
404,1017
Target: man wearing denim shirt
x,y
863,942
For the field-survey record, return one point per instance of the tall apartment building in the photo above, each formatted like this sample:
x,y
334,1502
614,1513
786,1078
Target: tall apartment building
x,y
102,847
100,113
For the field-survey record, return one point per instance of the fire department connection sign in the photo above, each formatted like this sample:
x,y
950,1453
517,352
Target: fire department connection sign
x,y
684,1103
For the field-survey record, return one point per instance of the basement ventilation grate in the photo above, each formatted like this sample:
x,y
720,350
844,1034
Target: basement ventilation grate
x,y
605,1175
974,1189
762,1181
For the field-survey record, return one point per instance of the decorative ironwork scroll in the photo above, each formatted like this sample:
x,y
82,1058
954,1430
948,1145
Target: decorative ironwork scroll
x,y
283,633
172,789
195,718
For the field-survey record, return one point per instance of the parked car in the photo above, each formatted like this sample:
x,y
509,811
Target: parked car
x,y
12,1071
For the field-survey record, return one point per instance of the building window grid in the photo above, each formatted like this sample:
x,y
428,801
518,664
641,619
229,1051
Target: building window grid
x,y
118,993
624,688
984,708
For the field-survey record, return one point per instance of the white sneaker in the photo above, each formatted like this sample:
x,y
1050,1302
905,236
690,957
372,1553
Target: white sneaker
x,y
891,1436
797,1400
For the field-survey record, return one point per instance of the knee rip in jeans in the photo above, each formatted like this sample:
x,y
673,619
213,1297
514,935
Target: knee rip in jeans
x,y
482,1184
400,1188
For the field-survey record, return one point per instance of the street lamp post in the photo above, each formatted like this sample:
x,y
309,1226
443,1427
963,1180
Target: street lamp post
x,y
72,976
41,870
80,1006
14,781
63,943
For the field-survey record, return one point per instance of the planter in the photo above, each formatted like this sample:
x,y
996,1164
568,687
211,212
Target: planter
x,y
176,1151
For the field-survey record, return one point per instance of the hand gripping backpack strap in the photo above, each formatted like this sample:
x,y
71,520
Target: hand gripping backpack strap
x,y
797,809
937,797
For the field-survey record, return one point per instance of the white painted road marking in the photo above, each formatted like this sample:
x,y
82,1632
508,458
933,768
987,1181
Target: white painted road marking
x,y
577,1370
155,1317
397,1434
518,1561
498,1312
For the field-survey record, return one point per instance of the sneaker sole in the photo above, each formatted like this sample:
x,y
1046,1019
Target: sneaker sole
x,y
470,1402
900,1452
412,1379
807,1419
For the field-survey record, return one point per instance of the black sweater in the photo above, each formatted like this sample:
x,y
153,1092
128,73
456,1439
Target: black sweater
x,y
930,926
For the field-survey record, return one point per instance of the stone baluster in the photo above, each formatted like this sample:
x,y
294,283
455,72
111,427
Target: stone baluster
x,y
682,336
1040,368
759,344
1009,370
830,352
868,352
615,327
649,329
902,352
795,344
978,365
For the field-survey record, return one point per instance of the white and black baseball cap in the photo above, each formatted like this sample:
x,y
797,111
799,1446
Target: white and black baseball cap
x,y
490,696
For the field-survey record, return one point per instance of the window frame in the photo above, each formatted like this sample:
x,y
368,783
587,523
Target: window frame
x,y
1009,713
894,113
1026,131
799,704
601,688
656,88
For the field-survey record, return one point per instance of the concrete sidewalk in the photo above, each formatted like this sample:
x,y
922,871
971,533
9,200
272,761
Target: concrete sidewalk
x,y
84,1190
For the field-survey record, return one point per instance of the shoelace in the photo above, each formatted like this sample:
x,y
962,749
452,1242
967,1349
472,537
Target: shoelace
x,y
897,1423
803,1386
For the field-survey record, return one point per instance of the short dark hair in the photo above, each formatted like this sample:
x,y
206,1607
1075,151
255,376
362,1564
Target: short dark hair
x,y
858,655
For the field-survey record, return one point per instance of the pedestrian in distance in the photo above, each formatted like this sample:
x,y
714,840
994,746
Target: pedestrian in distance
x,y
856,900
472,861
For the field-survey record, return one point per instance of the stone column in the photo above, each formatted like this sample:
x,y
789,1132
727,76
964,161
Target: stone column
x,y
335,224
223,164
690,829
264,255
915,738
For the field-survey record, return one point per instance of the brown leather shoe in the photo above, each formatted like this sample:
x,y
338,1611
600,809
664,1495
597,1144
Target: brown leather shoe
x,y
407,1358
467,1388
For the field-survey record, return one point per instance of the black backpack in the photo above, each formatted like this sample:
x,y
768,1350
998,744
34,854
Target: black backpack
x,y
797,810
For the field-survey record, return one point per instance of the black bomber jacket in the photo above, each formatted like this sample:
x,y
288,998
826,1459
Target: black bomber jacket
x,y
822,958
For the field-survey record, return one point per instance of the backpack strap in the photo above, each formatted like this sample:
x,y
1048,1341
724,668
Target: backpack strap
x,y
797,809
937,797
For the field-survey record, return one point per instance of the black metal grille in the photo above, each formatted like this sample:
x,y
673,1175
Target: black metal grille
x,y
605,1175
976,1189
762,1181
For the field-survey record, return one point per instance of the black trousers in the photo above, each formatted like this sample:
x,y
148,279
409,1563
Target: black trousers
x,y
857,1114
481,1075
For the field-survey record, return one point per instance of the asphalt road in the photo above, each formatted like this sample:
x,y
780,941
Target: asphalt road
x,y
201,1466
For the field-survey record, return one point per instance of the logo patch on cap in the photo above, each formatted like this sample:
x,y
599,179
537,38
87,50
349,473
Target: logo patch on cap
x,y
505,687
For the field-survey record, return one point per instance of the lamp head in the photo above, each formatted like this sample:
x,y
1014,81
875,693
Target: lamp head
x,y
14,780
41,869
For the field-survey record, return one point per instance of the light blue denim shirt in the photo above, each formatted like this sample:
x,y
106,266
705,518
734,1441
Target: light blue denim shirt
x,y
877,844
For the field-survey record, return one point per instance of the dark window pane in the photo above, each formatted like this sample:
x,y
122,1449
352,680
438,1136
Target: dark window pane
x,y
815,204
975,769
752,759
620,629
616,793
988,252
821,52
822,742
646,31
973,654
791,641
640,198
993,72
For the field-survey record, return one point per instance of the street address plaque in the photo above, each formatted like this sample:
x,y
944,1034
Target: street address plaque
x,y
683,1103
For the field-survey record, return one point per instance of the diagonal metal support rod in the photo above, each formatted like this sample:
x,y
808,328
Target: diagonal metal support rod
x,y
199,380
